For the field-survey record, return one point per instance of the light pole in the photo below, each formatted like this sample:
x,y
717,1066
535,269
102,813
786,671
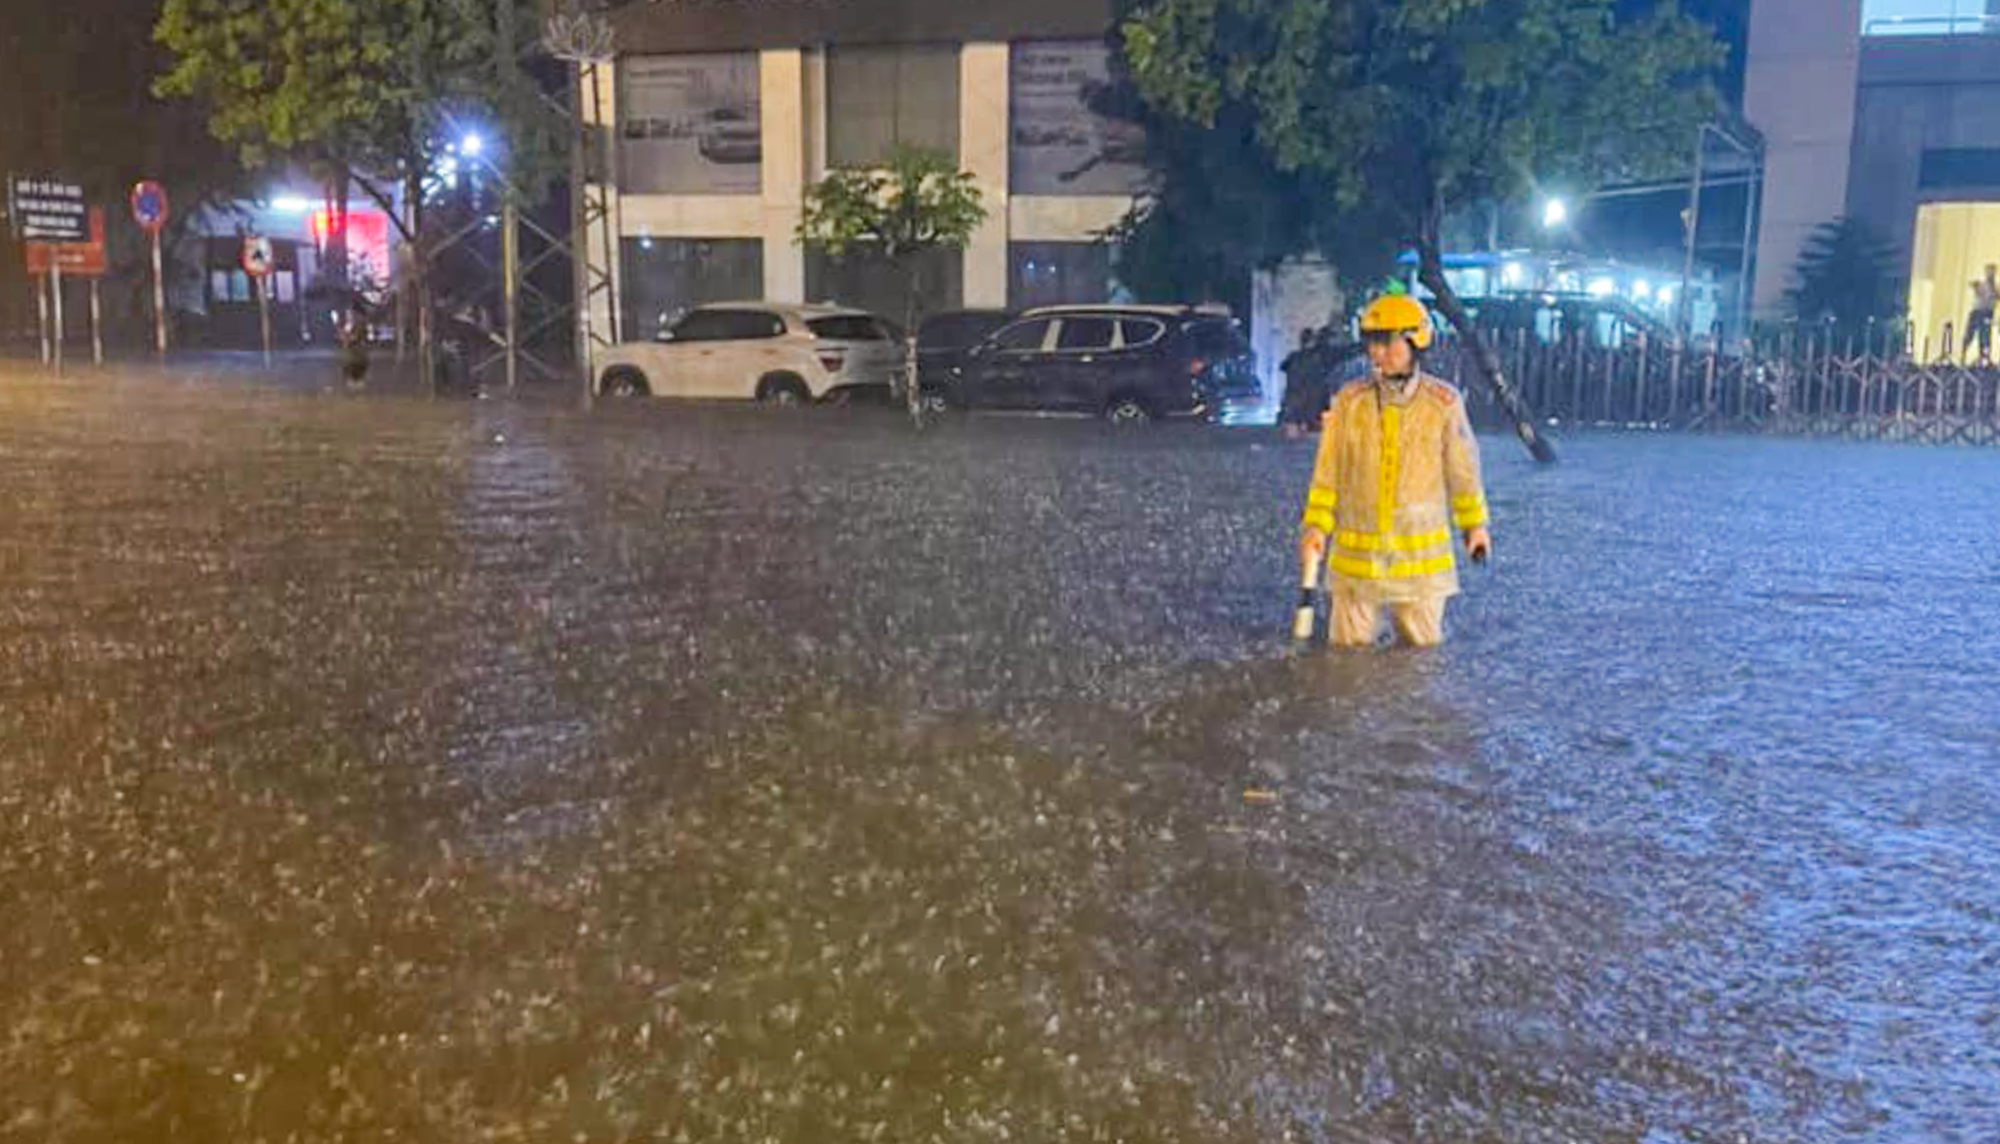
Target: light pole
x,y
1745,140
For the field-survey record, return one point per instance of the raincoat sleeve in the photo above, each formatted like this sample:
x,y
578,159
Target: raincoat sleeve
x,y
1321,497
1461,471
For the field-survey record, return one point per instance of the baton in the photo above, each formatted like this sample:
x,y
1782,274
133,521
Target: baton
x,y
1306,616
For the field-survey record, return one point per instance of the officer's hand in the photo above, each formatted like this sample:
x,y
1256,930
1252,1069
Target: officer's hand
x,y
1312,546
1479,545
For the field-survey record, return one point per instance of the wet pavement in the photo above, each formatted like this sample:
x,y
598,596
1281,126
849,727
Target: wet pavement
x,y
381,769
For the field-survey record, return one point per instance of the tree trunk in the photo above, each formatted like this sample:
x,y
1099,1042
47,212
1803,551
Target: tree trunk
x,y
1431,273
335,273
911,386
420,279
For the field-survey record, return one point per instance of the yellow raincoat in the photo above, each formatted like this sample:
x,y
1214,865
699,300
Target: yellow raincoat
x,y
1397,472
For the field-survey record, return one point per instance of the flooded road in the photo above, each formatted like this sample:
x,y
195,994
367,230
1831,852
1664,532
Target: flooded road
x,y
387,770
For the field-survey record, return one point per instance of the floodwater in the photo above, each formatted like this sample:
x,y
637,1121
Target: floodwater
x,y
375,769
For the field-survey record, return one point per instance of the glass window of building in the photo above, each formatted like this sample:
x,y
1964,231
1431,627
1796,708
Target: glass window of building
x,y
871,284
691,125
1058,274
663,278
879,97
1929,17
1953,245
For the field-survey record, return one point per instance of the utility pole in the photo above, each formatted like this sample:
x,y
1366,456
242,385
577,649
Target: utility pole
x,y
586,41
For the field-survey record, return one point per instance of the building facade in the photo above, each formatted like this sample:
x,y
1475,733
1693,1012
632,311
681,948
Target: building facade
x,y
719,115
1887,111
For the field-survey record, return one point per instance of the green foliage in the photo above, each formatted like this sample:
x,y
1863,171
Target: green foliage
x,y
1845,278
1396,111
1217,210
369,87
917,202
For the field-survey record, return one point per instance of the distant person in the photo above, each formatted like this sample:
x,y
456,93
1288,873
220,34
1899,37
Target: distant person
x,y
1397,473
1979,323
1313,372
467,332
354,347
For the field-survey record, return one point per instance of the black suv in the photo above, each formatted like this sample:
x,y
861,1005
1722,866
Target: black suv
x,y
946,340
1127,363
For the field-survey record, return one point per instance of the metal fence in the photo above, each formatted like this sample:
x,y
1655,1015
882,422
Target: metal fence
x,y
1781,385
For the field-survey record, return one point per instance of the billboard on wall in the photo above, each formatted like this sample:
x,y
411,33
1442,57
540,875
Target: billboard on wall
x,y
691,125
1060,146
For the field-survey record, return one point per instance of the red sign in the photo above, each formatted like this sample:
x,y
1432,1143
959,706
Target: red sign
x,y
78,259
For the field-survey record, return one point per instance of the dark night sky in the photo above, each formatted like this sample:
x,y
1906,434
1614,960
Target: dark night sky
x,y
76,89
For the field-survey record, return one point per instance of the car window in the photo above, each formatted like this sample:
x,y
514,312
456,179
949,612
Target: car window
x,y
728,326
750,325
1085,334
848,328
1135,332
1023,336
701,326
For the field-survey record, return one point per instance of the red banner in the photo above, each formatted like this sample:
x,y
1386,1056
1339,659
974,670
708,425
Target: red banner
x,y
79,259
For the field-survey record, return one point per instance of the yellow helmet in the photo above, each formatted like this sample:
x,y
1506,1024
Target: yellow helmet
x,y
1398,314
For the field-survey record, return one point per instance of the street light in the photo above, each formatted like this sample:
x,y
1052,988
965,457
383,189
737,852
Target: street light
x,y
1555,213
472,144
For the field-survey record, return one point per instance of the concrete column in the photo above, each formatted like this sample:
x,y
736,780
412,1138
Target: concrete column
x,y
602,245
782,85
815,113
983,151
1801,84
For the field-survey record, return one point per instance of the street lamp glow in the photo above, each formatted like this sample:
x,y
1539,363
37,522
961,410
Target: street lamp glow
x,y
472,144
1555,212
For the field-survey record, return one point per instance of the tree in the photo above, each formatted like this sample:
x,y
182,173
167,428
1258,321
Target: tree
x,y
1845,278
916,203
1215,209
374,92
1402,111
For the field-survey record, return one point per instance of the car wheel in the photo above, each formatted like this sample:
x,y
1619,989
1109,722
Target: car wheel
x,y
785,389
1127,409
624,382
933,401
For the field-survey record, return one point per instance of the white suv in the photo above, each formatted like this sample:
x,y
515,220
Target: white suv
x,y
766,351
